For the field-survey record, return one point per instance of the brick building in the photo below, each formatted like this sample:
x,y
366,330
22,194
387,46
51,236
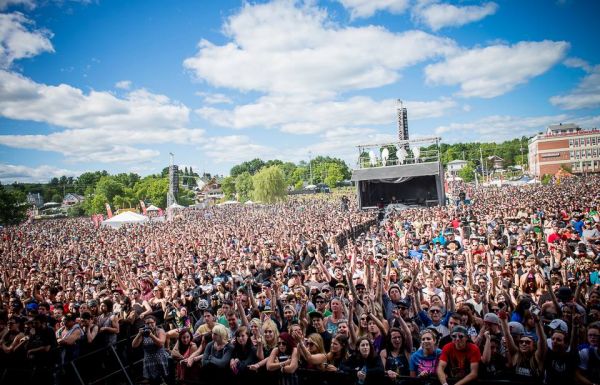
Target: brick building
x,y
564,145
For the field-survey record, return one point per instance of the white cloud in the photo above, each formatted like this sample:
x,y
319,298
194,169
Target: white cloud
x,y
282,48
29,4
439,15
298,116
123,84
497,128
341,142
587,92
367,8
10,173
99,126
575,62
19,40
216,99
235,148
495,70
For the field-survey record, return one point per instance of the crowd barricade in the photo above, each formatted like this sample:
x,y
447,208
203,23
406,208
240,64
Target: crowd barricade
x,y
120,364
354,232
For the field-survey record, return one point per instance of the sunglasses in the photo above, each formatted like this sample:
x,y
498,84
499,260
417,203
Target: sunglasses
x,y
525,342
434,311
281,343
458,336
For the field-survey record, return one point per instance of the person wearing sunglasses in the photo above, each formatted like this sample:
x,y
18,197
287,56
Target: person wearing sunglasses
x,y
459,359
525,354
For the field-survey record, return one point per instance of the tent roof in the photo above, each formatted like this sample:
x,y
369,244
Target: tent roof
x,y
176,206
229,203
152,208
127,217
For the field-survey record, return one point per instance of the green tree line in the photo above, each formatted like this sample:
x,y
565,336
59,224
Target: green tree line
x,y
246,181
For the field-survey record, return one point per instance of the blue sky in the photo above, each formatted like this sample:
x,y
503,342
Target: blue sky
x,y
117,85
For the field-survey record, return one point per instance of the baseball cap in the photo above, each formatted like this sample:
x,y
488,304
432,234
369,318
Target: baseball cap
x,y
491,318
315,314
459,329
559,324
516,328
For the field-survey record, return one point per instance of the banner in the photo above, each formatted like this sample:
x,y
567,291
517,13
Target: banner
x,y
108,211
143,206
160,212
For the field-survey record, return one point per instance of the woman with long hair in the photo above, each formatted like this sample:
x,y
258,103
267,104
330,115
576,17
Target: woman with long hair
x,y
423,362
364,366
243,353
338,353
311,349
525,361
183,348
396,354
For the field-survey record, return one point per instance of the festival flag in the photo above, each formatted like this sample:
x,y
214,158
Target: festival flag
x,y
160,212
108,211
143,206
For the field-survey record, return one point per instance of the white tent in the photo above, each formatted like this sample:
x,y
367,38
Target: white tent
x,y
248,203
229,203
124,218
176,206
152,208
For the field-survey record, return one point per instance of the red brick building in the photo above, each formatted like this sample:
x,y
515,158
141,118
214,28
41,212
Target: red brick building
x,y
564,145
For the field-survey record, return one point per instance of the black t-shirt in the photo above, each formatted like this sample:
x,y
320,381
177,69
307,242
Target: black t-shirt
x,y
45,336
559,368
493,369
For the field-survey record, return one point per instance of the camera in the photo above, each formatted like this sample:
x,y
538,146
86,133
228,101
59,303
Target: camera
x,y
145,331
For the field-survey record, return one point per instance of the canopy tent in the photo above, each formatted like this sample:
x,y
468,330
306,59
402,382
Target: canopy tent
x,y
176,206
229,203
248,203
152,208
124,218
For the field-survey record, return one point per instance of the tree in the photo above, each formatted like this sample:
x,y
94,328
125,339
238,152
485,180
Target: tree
x,y
269,185
335,174
467,173
228,187
251,167
299,175
76,211
56,198
109,187
153,189
96,204
244,186
13,207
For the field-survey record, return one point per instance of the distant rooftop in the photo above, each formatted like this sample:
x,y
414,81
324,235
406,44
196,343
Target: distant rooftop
x,y
560,128
563,129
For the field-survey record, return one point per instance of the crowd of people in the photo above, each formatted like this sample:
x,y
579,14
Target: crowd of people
x,y
502,287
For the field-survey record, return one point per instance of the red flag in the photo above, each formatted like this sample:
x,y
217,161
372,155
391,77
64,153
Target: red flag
x,y
160,212
108,210
143,206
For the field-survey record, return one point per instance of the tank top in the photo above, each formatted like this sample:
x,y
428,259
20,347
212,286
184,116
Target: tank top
x,y
523,372
105,321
